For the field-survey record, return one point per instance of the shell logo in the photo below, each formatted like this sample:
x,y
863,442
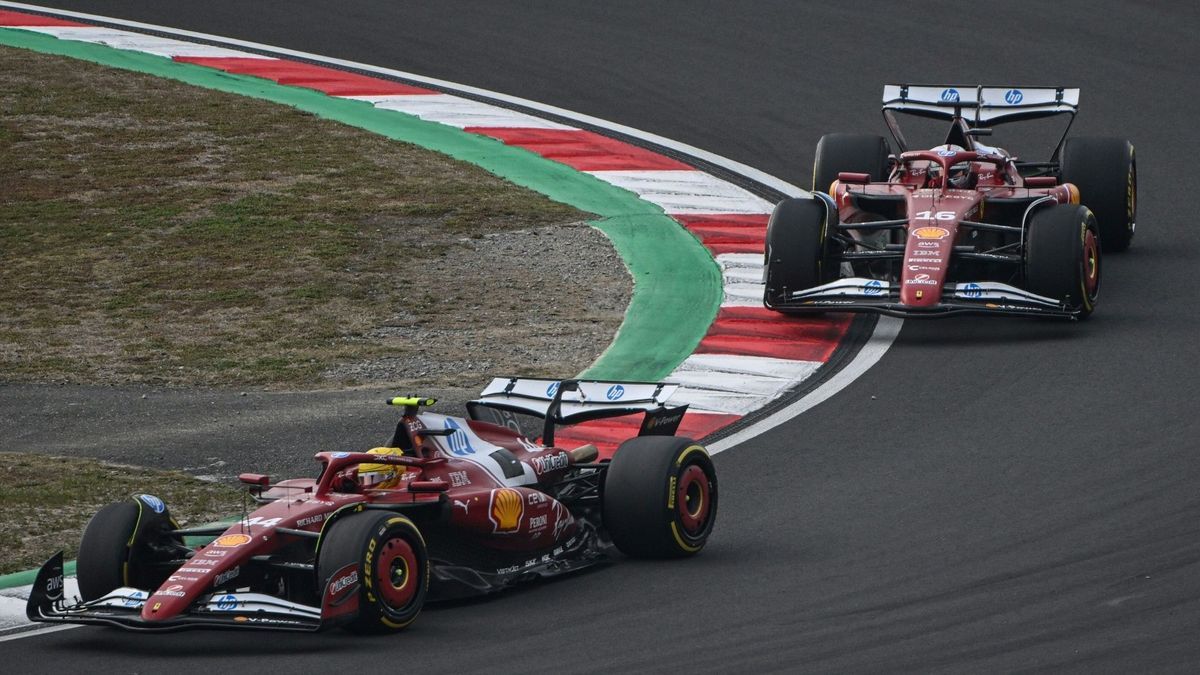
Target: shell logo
x,y
231,540
931,233
506,510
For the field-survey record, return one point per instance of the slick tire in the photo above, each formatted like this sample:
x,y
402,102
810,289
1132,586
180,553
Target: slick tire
x,y
795,257
103,556
393,567
1105,171
857,153
1062,257
660,497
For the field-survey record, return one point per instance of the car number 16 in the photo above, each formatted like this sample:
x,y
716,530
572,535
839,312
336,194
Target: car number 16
x,y
934,215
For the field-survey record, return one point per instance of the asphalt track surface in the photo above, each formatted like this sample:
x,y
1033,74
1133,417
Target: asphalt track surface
x,y
995,495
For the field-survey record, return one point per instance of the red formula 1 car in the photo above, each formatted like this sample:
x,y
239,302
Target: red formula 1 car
x,y
960,228
451,507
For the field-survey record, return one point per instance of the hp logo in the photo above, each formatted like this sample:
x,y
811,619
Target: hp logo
x,y
552,389
458,441
949,96
873,287
1013,96
973,291
614,392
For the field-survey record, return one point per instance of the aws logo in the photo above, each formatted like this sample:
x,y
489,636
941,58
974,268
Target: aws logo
x,y
505,510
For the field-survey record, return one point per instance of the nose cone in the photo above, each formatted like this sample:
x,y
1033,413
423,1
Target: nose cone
x,y
208,569
168,602
926,259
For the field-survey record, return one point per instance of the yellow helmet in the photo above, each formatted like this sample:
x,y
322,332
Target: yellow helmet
x,y
378,476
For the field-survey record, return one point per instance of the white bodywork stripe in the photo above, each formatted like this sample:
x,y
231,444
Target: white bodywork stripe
x,y
467,446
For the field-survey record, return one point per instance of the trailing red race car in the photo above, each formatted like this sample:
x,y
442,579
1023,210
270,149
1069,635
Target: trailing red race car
x,y
450,507
960,228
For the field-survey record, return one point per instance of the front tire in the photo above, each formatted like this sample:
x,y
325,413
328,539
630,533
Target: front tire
x,y
1105,171
393,567
104,550
122,545
795,258
856,153
660,497
1062,257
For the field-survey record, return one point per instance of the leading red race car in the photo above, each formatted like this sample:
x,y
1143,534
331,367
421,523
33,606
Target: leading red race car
x,y
450,507
960,228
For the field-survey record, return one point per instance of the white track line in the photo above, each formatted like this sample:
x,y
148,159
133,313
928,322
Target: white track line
x,y
33,632
885,333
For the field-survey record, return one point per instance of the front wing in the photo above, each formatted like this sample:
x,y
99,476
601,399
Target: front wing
x,y
123,608
861,295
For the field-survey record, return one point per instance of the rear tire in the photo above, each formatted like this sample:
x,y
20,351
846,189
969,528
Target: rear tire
x,y
795,257
393,567
857,153
660,497
104,550
1105,171
1062,257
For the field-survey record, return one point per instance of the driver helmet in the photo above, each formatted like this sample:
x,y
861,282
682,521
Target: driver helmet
x,y
960,172
380,476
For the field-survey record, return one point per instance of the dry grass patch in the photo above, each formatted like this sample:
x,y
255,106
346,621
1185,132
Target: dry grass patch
x,y
48,501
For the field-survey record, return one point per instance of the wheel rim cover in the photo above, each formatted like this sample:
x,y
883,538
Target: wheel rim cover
x,y
394,572
1091,264
693,499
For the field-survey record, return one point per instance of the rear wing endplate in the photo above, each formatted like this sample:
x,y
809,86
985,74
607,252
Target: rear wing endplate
x,y
575,401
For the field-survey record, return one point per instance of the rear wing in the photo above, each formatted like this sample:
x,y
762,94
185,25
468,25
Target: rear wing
x,y
573,401
978,104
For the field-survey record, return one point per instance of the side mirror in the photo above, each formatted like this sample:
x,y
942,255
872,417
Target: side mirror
x,y
850,177
981,131
1041,181
255,479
